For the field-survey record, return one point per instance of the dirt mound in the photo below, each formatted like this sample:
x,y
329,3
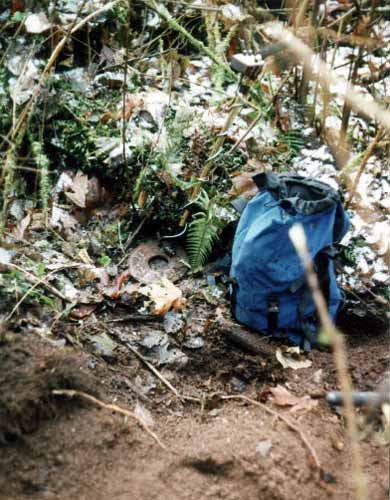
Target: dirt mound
x,y
62,449
30,369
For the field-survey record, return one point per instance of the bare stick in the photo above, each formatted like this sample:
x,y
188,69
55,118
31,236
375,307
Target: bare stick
x,y
124,89
111,407
289,424
53,57
160,376
358,101
155,371
363,164
39,281
297,236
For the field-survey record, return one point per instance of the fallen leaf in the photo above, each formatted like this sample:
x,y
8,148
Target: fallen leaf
x,y
144,415
165,296
37,23
82,311
94,194
79,191
61,219
282,397
291,360
17,6
84,257
20,229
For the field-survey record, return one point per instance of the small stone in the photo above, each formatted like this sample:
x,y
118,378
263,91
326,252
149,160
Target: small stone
x,y
173,322
194,343
104,346
264,448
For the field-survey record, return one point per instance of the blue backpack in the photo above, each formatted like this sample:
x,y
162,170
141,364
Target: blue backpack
x,y
269,290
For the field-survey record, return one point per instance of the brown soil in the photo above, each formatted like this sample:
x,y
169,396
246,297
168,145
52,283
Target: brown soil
x,y
55,448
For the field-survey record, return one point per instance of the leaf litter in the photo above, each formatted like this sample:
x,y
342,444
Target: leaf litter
x,y
101,287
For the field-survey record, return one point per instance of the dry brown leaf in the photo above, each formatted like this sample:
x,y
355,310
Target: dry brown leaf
x,y
244,185
84,256
82,311
165,296
79,191
292,359
282,397
20,229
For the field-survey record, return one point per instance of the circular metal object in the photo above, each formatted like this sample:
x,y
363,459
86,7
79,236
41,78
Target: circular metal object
x,y
149,263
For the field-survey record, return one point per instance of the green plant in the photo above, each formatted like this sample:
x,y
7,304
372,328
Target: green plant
x,y
43,165
293,140
218,45
104,260
14,284
203,231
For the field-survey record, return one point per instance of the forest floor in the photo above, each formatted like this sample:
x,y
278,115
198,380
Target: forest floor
x,y
133,126
59,448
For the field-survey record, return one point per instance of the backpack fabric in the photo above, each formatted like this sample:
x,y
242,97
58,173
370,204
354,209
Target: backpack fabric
x,y
269,290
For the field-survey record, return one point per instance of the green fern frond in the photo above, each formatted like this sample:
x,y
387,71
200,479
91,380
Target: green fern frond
x,y
294,141
203,232
139,183
202,235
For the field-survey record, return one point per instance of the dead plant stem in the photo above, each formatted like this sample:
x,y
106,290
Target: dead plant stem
x,y
39,281
358,101
363,164
124,89
336,339
110,407
154,370
288,423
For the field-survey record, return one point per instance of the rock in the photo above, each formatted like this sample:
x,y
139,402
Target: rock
x,y
102,345
264,448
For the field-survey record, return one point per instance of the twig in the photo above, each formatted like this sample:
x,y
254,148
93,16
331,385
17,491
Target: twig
x,y
39,281
363,164
255,121
16,134
154,370
36,284
163,12
54,55
347,106
124,89
111,407
133,235
358,101
258,116
298,238
133,317
289,424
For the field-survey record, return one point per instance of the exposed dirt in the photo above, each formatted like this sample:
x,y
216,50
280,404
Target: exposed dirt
x,y
55,448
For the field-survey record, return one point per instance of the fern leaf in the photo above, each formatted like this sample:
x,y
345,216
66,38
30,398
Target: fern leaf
x,y
202,234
